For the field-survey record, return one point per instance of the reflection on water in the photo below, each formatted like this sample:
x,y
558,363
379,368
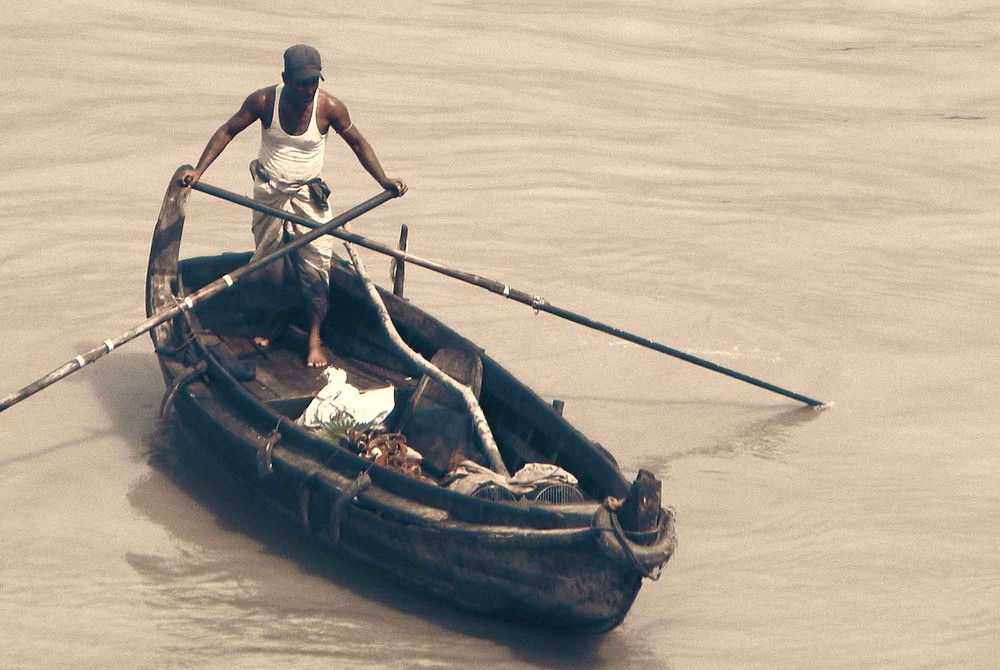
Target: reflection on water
x,y
765,438
76,442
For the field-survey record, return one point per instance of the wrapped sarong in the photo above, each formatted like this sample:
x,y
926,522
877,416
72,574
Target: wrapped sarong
x,y
310,264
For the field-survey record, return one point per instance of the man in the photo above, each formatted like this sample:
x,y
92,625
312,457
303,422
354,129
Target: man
x,y
295,118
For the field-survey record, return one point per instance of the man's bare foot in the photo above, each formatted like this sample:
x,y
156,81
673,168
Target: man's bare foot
x,y
263,341
318,356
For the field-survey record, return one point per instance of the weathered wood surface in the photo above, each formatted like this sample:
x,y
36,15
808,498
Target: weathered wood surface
x,y
399,267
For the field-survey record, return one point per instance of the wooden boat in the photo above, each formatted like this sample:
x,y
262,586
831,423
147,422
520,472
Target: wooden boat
x,y
569,561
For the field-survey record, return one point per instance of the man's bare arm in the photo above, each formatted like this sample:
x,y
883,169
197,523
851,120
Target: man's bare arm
x,y
248,113
366,156
340,121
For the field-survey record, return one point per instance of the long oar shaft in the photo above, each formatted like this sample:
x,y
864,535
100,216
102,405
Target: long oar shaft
x,y
191,301
223,194
514,294
670,351
540,304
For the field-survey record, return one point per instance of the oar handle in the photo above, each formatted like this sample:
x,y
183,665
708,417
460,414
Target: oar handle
x,y
192,300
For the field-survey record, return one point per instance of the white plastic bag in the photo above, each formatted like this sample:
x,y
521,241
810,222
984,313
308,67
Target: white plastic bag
x,y
339,400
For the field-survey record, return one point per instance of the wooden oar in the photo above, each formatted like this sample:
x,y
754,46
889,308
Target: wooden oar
x,y
505,290
198,297
487,443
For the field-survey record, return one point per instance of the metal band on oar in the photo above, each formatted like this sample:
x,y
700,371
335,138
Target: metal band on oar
x,y
534,301
193,300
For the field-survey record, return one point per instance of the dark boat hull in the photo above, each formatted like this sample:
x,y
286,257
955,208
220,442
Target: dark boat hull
x,y
567,566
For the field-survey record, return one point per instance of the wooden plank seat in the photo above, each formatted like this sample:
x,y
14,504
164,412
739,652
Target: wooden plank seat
x,y
278,375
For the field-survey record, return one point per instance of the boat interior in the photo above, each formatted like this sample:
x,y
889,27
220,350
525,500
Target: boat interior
x,y
525,428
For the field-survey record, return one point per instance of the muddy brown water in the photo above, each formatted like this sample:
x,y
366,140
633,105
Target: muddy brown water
x,y
806,193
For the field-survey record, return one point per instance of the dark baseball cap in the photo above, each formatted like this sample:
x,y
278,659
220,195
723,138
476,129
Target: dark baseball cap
x,y
302,62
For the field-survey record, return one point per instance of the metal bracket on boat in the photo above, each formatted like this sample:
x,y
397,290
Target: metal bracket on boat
x,y
175,351
179,383
621,545
351,491
264,465
362,482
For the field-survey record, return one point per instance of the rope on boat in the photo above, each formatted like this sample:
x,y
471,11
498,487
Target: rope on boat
x,y
264,465
179,383
361,483
616,541
355,488
174,352
626,543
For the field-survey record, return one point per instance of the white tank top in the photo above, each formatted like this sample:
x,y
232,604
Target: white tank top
x,y
291,158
